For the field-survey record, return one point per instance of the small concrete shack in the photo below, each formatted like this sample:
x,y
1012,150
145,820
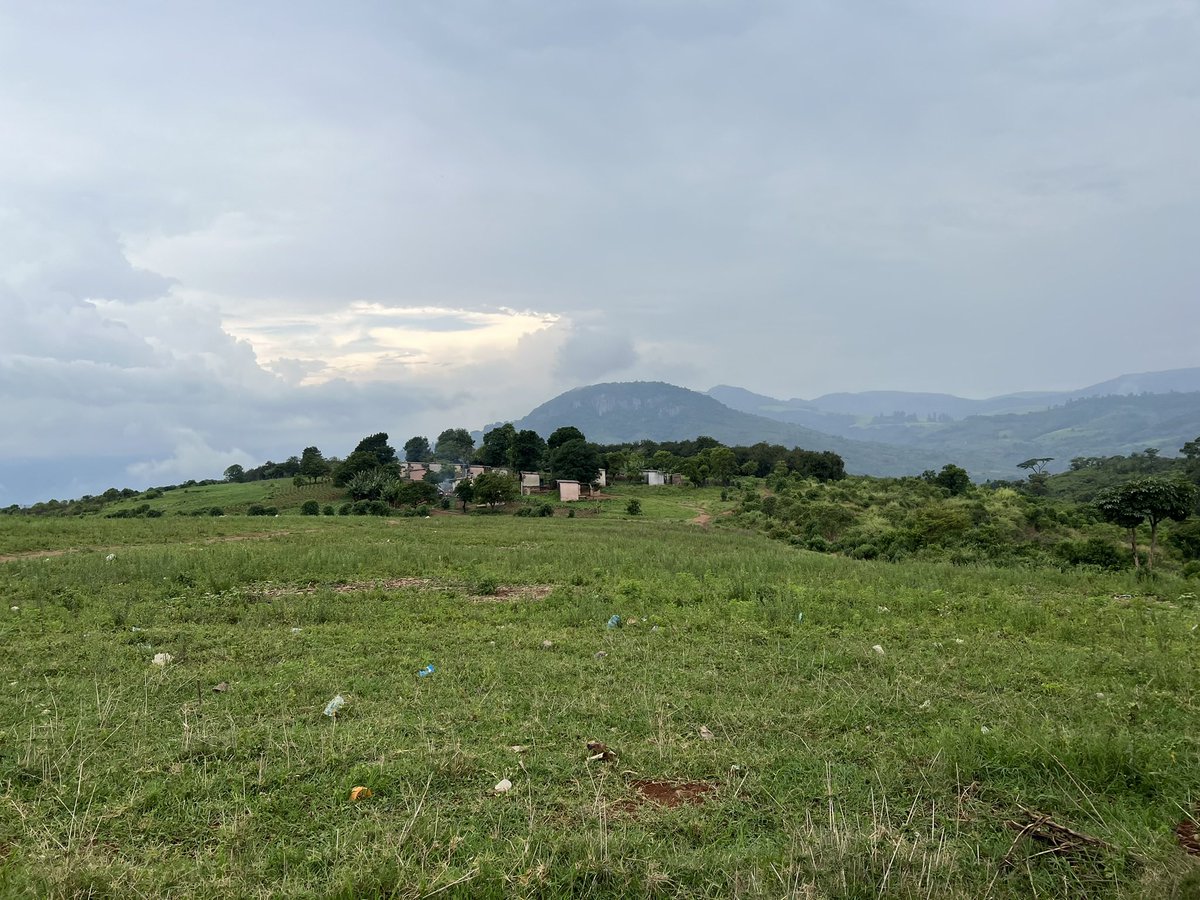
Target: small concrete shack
x,y
653,477
568,491
530,482
602,479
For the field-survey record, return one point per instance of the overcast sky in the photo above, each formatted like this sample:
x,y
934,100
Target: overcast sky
x,y
231,230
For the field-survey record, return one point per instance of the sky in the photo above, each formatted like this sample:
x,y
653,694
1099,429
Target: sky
x,y
232,230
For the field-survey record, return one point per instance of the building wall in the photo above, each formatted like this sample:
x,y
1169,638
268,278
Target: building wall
x,y
568,491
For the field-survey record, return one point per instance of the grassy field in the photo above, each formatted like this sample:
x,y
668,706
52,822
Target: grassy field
x,y
870,729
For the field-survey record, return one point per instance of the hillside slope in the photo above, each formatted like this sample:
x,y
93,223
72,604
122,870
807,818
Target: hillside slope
x,y
653,410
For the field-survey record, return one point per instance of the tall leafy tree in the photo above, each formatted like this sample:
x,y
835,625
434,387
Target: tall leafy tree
x,y
561,435
497,446
493,488
378,446
455,445
528,451
1152,500
313,465
575,460
417,449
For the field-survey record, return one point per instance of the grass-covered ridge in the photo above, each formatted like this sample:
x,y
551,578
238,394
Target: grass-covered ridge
x,y
836,770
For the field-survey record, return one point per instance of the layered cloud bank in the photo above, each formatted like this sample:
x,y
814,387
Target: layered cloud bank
x,y
230,231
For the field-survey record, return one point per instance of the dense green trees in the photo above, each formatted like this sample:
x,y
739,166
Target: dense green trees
x,y
313,465
496,449
561,435
455,445
1150,500
528,451
575,460
953,478
494,489
417,449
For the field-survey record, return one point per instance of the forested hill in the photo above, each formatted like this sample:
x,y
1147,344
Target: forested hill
x,y
653,410
988,446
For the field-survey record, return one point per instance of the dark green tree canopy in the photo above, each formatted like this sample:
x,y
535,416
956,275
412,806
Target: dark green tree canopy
x,y
235,473
455,445
562,435
953,478
575,460
497,445
377,444
1150,500
493,488
312,464
417,449
528,451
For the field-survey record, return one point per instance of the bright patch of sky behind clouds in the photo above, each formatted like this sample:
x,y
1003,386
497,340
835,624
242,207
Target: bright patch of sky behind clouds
x,y
229,230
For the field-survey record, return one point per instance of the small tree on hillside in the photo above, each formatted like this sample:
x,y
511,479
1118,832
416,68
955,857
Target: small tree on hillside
x,y
378,446
313,465
1150,500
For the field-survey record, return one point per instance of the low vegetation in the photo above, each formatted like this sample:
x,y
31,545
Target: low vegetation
x,y
966,691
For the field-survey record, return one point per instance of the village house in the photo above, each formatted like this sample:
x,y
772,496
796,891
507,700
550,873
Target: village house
x,y
568,490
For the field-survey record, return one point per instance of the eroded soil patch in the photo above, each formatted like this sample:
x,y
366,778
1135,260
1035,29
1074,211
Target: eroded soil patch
x,y
1189,836
666,793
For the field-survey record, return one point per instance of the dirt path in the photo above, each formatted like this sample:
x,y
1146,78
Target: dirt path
x,y
220,539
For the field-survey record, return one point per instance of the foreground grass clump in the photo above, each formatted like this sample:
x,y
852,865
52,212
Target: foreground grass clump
x,y
830,768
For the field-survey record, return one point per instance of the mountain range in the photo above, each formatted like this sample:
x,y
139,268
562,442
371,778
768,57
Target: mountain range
x,y
894,432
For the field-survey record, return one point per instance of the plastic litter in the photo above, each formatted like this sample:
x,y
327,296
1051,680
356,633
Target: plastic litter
x,y
547,644
799,617
503,786
110,557
600,654
14,609
878,649
161,659
221,688
332,707
426,672
706,734
614,621
361,793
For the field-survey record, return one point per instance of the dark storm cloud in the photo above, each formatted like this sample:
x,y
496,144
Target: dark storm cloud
x,y
805,197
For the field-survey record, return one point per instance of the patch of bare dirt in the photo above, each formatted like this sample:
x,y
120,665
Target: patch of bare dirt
x,y
515,593
62,551
1189,836
36,554
702,519
666,793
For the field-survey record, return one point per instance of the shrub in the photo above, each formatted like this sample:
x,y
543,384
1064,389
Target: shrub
x,y
345,508
328,510
216,511
634,507
545,510
256,509
310,508
1094,551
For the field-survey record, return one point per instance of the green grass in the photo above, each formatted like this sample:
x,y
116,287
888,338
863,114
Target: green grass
x,y
839,772
235,498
